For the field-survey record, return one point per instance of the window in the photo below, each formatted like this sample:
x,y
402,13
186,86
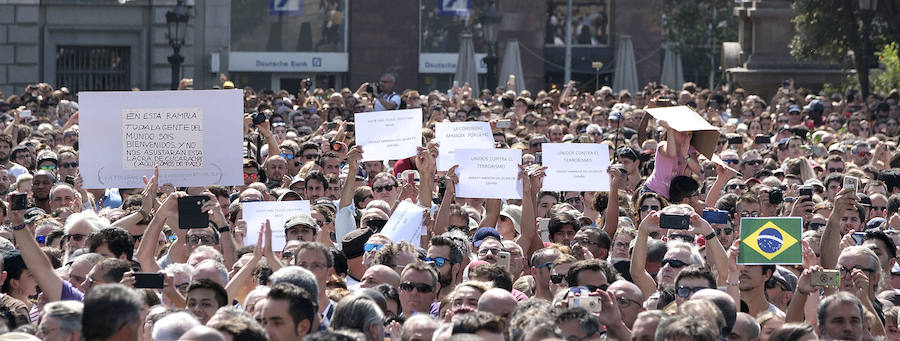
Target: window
x,y
82,68
590,22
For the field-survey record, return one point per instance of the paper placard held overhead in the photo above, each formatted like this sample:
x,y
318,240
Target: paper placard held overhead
x,y
194,136
278,212
405,223
576,166
389,135
455,135
489,173
682,118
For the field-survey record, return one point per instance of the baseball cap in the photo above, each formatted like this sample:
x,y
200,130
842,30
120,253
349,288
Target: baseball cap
x,y
794,108
814,182
875,223
785,277
485,232
300,219
836,148
353,243
289,194
228,85
864,200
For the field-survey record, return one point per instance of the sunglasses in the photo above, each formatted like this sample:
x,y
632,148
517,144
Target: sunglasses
x,y
645,208
558,278
753,162
685,292
879,208
772,282
835,170
726,231
311,156
287,156
68,165
380,189
674,263
369,247
593,288
422,288
376,224
48,167
815,226
731,161
749,214
251,176
438,261
737,186
721,142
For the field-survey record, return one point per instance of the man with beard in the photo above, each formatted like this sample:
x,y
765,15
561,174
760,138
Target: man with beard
x,y
446,258
43,182
6,146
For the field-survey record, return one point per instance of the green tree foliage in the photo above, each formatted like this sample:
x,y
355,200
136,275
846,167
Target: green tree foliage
x,y
689,23
888,77
825,30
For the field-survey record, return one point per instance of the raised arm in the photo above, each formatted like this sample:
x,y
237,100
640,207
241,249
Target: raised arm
x,y
239,282
426,164
442,220
35,259
722,176
831,238
611,218
715,254
639,274
265,131
529,239
353,157
146,252
671,147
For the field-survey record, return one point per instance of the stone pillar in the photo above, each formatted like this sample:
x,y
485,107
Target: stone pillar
x,y
20,38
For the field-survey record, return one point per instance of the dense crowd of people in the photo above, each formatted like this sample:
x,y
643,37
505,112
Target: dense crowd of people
x,y
84,263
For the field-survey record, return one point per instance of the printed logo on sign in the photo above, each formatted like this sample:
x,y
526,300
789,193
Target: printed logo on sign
x,y
769,240
317,62
454,7
285,7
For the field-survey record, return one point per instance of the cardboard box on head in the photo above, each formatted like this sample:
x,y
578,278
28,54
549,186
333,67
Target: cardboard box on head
x,y
682,118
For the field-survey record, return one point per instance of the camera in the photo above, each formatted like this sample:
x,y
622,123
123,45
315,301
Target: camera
x,y
776,196
258,118
674,221
307,83
371,88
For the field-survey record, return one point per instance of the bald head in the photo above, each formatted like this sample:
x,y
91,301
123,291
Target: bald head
x,y
380,274
745,328
418,327
498,302
626,286
202,333
723,301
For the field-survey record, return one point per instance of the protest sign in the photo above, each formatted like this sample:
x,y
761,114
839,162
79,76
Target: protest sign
x,y
277,212
389,135
405,223
194,136
682,118
575,166
771,240
454,135
489,173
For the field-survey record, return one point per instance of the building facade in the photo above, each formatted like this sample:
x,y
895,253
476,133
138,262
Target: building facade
x,y
278,44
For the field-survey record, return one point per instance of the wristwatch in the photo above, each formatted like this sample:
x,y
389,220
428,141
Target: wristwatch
x,y
710,236
18,227
224,229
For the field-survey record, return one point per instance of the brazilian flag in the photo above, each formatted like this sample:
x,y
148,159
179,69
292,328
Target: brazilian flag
x,y
771,240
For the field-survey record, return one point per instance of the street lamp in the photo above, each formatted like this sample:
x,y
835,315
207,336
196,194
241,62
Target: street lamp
x,y
490,19
866,12
176,19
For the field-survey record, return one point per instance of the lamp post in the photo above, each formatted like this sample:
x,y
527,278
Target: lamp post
x,y
490,19
176,19
866,12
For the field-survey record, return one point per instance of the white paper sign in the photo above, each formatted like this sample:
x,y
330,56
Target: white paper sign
x,y
576,167
455,135
194,136
278,212
489,173
405,223
389,135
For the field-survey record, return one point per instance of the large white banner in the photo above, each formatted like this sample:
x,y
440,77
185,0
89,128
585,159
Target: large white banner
x,y
489,173
456,135
575,167
389,135
278,212
194,136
